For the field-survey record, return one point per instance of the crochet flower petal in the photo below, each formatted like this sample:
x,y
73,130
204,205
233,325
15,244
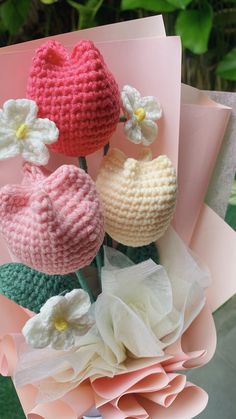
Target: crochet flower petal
x,y
148,130
35,151
152,107
44,130
133,131
63,340
8,150
53,307
19,111
78,304
36,333
141,113
61,319
130,98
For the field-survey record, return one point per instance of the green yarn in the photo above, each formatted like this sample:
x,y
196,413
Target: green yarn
x,y
140,254
10,407
30,288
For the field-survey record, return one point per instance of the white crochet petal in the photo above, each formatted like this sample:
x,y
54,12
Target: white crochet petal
x,y
7,135
62,340
9,150
44,130
133,132
152,107
53,307
62,318
130,98
35,151
148,131
19,111
78,303
35,332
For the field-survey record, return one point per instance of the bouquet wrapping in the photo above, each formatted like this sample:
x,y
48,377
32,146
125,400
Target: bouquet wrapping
x,y
123,355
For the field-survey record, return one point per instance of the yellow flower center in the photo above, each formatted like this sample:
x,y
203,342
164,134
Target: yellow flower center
x,y
140,114
61,325
22,131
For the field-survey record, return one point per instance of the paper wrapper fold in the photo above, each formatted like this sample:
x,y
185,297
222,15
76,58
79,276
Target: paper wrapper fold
x,y
138,53
198,341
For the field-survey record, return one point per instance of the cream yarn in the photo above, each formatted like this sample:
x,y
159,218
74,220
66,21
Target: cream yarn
x,y
138,196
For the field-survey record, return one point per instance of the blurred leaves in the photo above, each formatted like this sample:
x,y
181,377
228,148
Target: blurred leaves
x,y
87,12
227,66
48,1
155,5
194,27
207,29
150,5
14,14
232,199
230,216
180,4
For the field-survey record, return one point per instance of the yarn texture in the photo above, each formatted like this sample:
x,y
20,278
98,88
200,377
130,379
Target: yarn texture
x,y
30,288
52,222
138,197
78,93
140,254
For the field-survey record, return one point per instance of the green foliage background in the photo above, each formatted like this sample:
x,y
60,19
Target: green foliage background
x,y
208,33
207,29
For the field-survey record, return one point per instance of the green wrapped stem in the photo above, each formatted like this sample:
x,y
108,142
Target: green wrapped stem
x,y
84,285
106,148
83,164
99,263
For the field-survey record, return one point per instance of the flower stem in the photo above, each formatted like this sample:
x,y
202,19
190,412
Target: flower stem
x,y
99,265
122,118
106,148
84,285
83,163
109,241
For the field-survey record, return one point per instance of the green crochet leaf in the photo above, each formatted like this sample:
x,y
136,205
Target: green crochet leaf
x,y
10,407
140,254
30,288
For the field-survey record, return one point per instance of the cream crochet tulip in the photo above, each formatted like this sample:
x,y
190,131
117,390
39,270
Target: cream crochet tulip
x,y
138,196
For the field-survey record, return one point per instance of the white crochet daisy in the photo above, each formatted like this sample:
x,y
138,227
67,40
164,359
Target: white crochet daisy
x,y
60,320
21,132
141,113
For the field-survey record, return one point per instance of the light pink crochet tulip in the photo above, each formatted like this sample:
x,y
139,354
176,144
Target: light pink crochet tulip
x,y
52,222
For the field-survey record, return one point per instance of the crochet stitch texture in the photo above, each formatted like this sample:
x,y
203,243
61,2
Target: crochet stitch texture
x,y
52,222
78,93
138,197
30,288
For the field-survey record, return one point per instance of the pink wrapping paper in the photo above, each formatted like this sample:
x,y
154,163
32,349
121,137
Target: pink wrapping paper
x,y
198,149
199,342
215,242
193,155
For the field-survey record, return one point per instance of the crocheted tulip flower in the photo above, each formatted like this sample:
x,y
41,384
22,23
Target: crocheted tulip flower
x,y
138,197
52,222
30,288
78,93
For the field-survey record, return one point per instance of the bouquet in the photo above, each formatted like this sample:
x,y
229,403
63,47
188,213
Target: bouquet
x,y
108,274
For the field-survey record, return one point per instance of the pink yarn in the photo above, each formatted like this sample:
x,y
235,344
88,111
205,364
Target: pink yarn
x,y
78,93
52,222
